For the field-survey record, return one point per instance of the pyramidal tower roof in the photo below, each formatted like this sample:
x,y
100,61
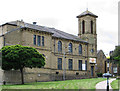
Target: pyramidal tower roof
x,y
87,13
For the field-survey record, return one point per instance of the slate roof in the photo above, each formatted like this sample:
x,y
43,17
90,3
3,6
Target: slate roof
x,y
98,51
87,13
32,26
55,32
64,35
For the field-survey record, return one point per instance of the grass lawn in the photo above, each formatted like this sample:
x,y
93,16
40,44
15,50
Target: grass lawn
x,y
68,84
114,84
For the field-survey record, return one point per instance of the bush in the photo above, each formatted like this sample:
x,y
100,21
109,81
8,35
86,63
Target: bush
x,y
99,74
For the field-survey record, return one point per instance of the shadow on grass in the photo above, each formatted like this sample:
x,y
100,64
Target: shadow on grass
x,y
35,83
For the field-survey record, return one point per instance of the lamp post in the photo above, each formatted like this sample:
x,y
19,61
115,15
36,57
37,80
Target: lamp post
x,y
64,62
64,66
108,75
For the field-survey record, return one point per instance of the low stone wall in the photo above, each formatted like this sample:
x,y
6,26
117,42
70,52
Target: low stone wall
x,y
39,75
1,76
69,75
12,77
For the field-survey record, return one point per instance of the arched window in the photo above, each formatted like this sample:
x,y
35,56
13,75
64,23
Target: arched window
x,y
34,40
70,48
59,46
83,27
80,49
91,27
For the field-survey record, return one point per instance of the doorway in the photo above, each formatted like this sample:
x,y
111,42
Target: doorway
x,y
105,67
92,70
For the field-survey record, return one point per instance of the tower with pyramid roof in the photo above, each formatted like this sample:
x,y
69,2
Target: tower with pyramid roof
x,y
87,32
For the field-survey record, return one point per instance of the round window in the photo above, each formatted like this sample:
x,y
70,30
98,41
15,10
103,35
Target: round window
x,y
92,50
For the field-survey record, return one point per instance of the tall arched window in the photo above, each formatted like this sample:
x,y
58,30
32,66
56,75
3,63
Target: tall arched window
x,y
83,27
91,27
80,49
59,46
70,48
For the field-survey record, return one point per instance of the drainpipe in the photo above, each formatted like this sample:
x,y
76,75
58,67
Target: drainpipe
x,y
54,46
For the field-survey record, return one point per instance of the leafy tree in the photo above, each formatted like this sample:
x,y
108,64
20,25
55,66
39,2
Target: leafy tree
x,y
116,56
18,57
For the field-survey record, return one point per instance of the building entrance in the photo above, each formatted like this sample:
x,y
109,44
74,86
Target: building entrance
x,y
92,70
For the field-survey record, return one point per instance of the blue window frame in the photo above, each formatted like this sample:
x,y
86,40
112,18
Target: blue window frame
x,y
80,49
70,48
34,40
39,40
59,46
42,40
70,64
80,64
59,63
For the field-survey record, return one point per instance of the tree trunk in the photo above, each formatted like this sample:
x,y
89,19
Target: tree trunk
x,y
22,77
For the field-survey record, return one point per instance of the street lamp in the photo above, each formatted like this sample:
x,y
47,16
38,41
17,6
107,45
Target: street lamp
x,y
108,58
64,65
64,62
107,74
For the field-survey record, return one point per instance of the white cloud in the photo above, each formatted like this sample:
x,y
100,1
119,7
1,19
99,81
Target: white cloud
x,y
61,14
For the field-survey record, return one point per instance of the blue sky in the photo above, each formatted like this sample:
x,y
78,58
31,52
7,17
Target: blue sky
x,y
61,14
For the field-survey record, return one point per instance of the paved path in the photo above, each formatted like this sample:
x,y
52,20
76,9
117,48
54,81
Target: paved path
x,y
103,85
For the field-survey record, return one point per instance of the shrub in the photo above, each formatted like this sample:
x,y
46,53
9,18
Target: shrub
x,y
99,74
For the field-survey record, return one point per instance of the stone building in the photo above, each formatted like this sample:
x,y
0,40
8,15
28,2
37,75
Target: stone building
x,y
101,66
114,66
102,63
67,56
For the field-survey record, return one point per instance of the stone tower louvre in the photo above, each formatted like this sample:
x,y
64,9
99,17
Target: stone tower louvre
x,y
87,31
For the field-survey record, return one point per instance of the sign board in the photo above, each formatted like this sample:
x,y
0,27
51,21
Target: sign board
x,y
107,64
92,60
114,69
83,66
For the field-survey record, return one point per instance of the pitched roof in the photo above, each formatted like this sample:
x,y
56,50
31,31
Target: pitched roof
x,y
87,13
98,51
55,32
64,35
31,26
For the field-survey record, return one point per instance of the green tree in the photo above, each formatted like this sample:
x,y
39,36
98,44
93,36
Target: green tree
x,y
116,57
18,57
116,54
